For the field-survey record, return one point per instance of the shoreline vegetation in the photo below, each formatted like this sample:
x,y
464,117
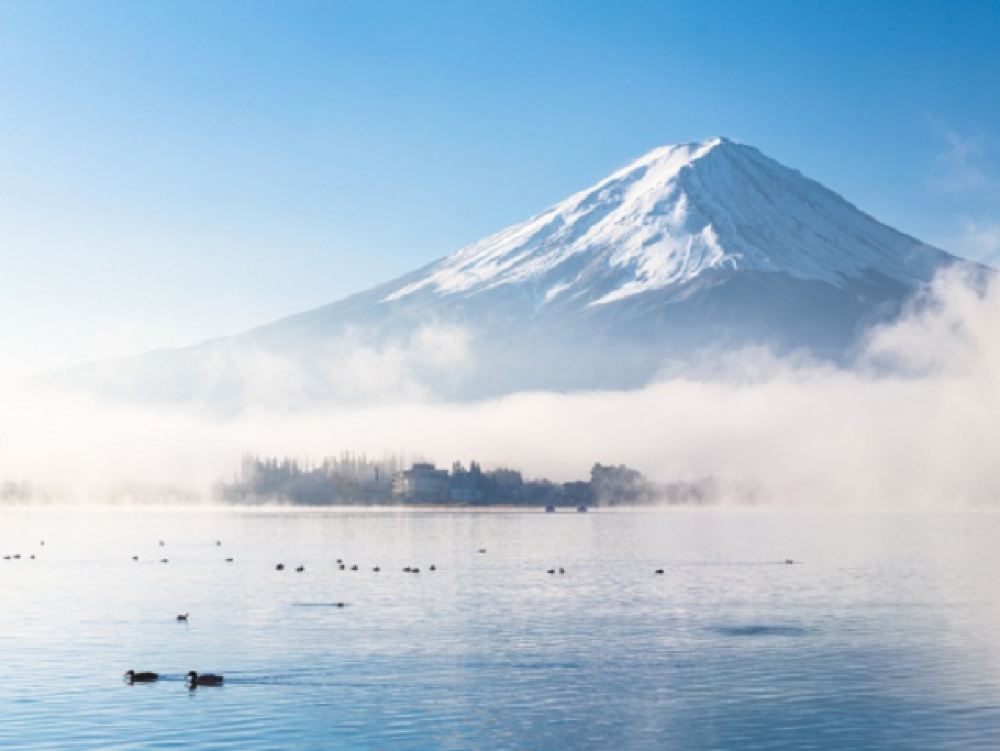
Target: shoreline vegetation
x,y
355,480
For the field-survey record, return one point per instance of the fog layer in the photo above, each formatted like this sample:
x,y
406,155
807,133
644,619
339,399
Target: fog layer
x,y
913,424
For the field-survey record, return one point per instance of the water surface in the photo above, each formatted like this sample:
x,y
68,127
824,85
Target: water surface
x,y
882,634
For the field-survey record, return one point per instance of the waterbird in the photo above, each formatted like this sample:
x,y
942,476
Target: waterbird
x,y
183,616
407,570
340,560
141,677
341,567
229,560
280,567
562,570
789,561
433,567
135,557
354,567
218,542
164,560
376,569
162,543
550,571
42,543
482,550
208,679
658,571
32,556
300,569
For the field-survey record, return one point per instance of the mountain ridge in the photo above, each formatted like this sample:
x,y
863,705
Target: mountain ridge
x,y
692,248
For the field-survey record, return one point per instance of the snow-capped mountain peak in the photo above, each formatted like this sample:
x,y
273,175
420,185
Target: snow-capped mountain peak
x,y
670,216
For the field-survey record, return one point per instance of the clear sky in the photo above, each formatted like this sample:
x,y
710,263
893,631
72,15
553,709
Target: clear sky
x,y
178,170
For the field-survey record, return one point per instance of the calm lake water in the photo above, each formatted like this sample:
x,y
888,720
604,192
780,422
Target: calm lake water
x,y
883,634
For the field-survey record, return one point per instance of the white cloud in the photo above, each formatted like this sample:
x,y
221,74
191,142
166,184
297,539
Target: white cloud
x,y
914,425
978,240
961,164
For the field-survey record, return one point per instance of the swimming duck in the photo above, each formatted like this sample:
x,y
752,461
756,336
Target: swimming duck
x,y
141,677
354,567
183,616
376,569
208,679
229,560
433,567
658,571
164,560
135,557
562,570
550,571
300,569
218,542
482,550
162,543
789,561
280,567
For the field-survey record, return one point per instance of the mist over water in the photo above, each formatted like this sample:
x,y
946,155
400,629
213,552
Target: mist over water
x,y
911,425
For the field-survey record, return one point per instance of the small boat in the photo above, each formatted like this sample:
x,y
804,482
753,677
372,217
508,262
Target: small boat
x,y
208,679
141,676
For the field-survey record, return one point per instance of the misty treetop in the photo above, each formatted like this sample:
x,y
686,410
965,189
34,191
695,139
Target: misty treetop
x,y
355,479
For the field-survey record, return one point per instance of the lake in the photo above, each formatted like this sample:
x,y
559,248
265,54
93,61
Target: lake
x,y
881,635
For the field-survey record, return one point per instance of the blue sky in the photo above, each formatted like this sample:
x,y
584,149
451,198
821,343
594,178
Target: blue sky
x,y
173,171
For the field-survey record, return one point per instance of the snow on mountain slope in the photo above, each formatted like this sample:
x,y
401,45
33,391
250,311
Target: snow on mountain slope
x,y
670,216
691,249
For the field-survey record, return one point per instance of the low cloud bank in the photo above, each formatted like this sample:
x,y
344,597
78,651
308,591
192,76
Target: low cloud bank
x,y
915,424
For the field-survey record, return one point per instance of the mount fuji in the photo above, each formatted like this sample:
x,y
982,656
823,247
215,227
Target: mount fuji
x,y
692,249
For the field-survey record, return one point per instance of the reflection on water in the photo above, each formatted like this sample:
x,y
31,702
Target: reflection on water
x,y
881,636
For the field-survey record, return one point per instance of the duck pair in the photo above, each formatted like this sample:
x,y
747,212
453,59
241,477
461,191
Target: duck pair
x,y
193,678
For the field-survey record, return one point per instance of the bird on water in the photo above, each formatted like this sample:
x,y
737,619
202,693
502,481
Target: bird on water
x,y
208,679
141,676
